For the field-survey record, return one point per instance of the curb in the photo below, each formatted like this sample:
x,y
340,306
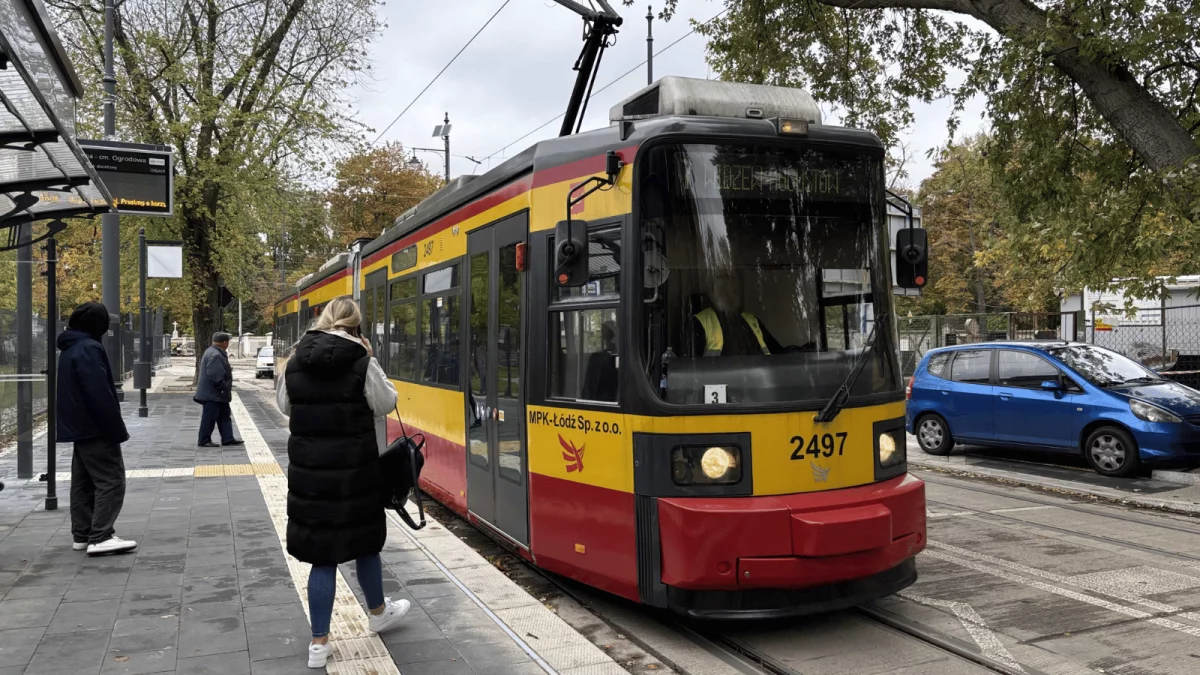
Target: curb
x,y
1181,477
1067,487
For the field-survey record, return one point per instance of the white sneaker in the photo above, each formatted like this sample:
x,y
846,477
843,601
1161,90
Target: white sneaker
x,y
318,655
114,545
79,546
392,613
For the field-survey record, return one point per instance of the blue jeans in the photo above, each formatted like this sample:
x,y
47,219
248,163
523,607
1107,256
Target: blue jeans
x,y
216,414
322,586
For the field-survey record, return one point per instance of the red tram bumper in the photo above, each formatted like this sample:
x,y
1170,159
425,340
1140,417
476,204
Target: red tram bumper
x,y
791,554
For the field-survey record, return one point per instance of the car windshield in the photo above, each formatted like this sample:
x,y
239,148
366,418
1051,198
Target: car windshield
x,y
1103,367
764,273
267,352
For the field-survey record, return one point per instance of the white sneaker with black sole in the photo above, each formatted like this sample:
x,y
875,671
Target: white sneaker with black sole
x,y
392,613
318,655
110,546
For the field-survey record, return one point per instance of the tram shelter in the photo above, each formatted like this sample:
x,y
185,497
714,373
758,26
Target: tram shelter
x,y
45,178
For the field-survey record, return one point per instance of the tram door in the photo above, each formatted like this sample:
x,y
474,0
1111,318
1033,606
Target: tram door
x,y
497,466
374,311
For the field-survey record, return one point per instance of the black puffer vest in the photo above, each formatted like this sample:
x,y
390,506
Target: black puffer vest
x,y
335,511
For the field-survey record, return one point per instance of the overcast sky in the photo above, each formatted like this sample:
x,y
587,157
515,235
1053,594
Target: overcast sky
x,y
517,75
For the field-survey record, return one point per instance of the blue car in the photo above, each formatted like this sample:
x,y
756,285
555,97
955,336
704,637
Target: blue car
x,y
1062,396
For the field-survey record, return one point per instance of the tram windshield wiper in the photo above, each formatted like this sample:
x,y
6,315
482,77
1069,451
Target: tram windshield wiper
x,y
839,398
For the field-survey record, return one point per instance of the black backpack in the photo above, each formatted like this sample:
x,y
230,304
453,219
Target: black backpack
x,y
401,466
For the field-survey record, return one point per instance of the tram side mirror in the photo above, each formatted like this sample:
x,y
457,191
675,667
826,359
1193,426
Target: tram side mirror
x,y
570,253
912,258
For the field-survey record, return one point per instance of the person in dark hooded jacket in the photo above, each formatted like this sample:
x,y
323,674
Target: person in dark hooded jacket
x,y
89,416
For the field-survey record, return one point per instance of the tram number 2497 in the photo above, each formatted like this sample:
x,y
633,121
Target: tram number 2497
x,y
819,445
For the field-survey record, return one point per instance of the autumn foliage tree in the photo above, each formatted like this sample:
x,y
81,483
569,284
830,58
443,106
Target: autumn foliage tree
x,y
1094,107
372,187
251,95
973,266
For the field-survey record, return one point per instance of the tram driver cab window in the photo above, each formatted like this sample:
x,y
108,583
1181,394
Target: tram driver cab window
x,y
584,330
764,271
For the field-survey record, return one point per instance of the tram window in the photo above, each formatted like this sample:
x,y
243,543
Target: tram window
x,y
402,347
583,356
404,259
440,340
441,280
404,290
604,267
764,270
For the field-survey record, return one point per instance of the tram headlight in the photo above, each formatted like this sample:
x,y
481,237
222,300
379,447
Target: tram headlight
x,y
706,465
891,453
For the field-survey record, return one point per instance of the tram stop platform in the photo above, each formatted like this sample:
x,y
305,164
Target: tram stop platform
x,y
211,590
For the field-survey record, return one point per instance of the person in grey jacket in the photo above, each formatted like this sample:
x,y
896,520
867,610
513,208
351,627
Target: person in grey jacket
x,y
214,391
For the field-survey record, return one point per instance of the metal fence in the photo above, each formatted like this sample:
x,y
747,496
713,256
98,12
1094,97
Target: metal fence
x,y
919,334
160,342
9,366
10,373
1166,340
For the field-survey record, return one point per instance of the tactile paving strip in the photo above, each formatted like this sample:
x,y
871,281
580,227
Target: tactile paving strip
x,y
200,471
356,650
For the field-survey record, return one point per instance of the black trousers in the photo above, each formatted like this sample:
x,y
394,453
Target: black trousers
x,y
97,490
219,415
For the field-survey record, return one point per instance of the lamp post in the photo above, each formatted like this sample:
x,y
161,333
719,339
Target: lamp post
x,y
414,163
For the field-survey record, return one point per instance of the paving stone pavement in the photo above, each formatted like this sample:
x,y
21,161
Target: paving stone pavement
x,y
208,590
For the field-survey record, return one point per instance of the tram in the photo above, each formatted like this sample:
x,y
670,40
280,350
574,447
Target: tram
x,y
660,357
295,312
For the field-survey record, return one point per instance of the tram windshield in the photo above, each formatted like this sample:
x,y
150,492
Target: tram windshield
x,y
764,272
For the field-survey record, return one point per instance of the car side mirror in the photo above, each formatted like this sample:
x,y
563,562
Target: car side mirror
x,y
570,253
1051,385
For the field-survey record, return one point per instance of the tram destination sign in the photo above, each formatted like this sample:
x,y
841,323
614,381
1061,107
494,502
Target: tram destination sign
x,y
707,175
140,178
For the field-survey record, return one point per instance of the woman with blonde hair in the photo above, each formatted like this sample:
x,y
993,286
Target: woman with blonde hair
x,y
338,398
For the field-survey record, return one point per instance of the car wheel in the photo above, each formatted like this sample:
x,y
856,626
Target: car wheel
x,y
933,435
1111,451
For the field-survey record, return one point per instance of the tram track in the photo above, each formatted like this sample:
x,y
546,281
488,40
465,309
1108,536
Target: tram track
x,y
965,484
720,640
1074,533
750,660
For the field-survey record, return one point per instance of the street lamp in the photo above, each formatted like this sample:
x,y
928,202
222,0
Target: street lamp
x,y
414,163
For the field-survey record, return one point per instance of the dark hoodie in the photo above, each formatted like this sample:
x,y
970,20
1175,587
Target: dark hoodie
x,y
87,398
335,507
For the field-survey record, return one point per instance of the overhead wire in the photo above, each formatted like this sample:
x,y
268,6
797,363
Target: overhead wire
x,y
443,70
601,89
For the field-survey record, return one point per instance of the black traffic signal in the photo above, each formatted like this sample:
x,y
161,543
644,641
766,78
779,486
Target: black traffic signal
x,y
912,258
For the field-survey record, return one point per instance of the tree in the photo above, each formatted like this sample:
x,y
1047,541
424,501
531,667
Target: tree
x,y
250,93
972,264
1093,105
374,185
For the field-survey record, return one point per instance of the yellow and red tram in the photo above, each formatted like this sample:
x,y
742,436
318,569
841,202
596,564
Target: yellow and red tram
x,y
639,410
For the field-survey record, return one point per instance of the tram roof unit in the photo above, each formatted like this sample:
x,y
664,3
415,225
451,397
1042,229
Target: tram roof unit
x,y
329,268
682,107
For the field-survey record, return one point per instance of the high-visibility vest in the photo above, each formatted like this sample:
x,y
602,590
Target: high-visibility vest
x,y
714,336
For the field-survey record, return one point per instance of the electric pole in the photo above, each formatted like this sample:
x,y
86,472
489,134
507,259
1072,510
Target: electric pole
x,y
446,138
649,44
110,223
